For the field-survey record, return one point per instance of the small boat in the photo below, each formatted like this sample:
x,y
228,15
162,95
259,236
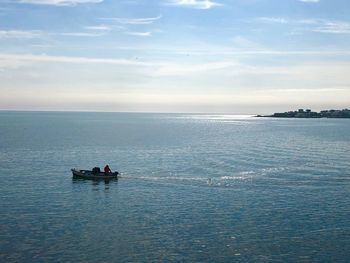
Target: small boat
x,y
88,174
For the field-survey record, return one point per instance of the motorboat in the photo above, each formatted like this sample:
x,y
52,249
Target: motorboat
x,y
93,174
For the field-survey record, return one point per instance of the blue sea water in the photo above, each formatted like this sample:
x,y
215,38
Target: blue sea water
x,y
194,188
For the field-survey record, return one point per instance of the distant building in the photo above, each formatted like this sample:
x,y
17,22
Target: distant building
x,y
345,113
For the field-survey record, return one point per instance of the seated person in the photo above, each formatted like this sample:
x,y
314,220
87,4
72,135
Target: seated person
x,y
107,170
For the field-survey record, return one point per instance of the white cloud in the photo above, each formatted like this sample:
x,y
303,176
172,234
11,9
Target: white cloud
x,y
98,28
308,21
134,21
327,26
60,2
83,34
309,1
334,27
91,31
198,4
139,34
314,25
20,58
190,69
278,20
20,34
226,81
311,89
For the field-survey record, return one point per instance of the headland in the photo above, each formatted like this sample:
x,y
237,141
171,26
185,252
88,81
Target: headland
x,y
301,113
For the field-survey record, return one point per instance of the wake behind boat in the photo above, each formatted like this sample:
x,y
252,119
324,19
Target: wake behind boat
x,y
94,174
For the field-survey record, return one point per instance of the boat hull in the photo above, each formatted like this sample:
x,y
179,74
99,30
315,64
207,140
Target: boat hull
x,y
86,174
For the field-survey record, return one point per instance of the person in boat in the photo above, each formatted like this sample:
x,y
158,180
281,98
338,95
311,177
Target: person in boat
x,y
107,170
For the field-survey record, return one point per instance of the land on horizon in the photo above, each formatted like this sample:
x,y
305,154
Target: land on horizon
x,y
301,113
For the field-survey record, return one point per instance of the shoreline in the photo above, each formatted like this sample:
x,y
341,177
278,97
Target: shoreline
x,y
308,114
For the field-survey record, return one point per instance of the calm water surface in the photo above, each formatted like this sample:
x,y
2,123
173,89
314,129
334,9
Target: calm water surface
x,y
194,188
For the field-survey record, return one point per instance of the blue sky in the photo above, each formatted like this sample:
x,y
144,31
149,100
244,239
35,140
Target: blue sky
x,y
238,56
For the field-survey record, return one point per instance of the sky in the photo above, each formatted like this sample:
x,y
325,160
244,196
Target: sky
x,y
230,56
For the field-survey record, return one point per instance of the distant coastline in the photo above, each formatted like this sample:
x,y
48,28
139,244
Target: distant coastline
x,y
301,113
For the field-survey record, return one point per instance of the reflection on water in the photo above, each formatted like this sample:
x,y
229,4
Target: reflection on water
x,y
95,183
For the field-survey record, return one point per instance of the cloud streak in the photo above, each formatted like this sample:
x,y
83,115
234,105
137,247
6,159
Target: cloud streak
x,y
333,27
60,2
310,1
65,59
133,21
197,4
20,34
83,34
139,34
277,20
314,25
98,28
190,69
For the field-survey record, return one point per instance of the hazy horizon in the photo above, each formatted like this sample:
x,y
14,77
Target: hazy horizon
x,y
165,112
186,56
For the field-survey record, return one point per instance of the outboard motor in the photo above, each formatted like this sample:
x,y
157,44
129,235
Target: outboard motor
x,y
96,170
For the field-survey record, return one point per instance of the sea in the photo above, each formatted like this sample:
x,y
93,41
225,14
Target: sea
x,y
193,188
